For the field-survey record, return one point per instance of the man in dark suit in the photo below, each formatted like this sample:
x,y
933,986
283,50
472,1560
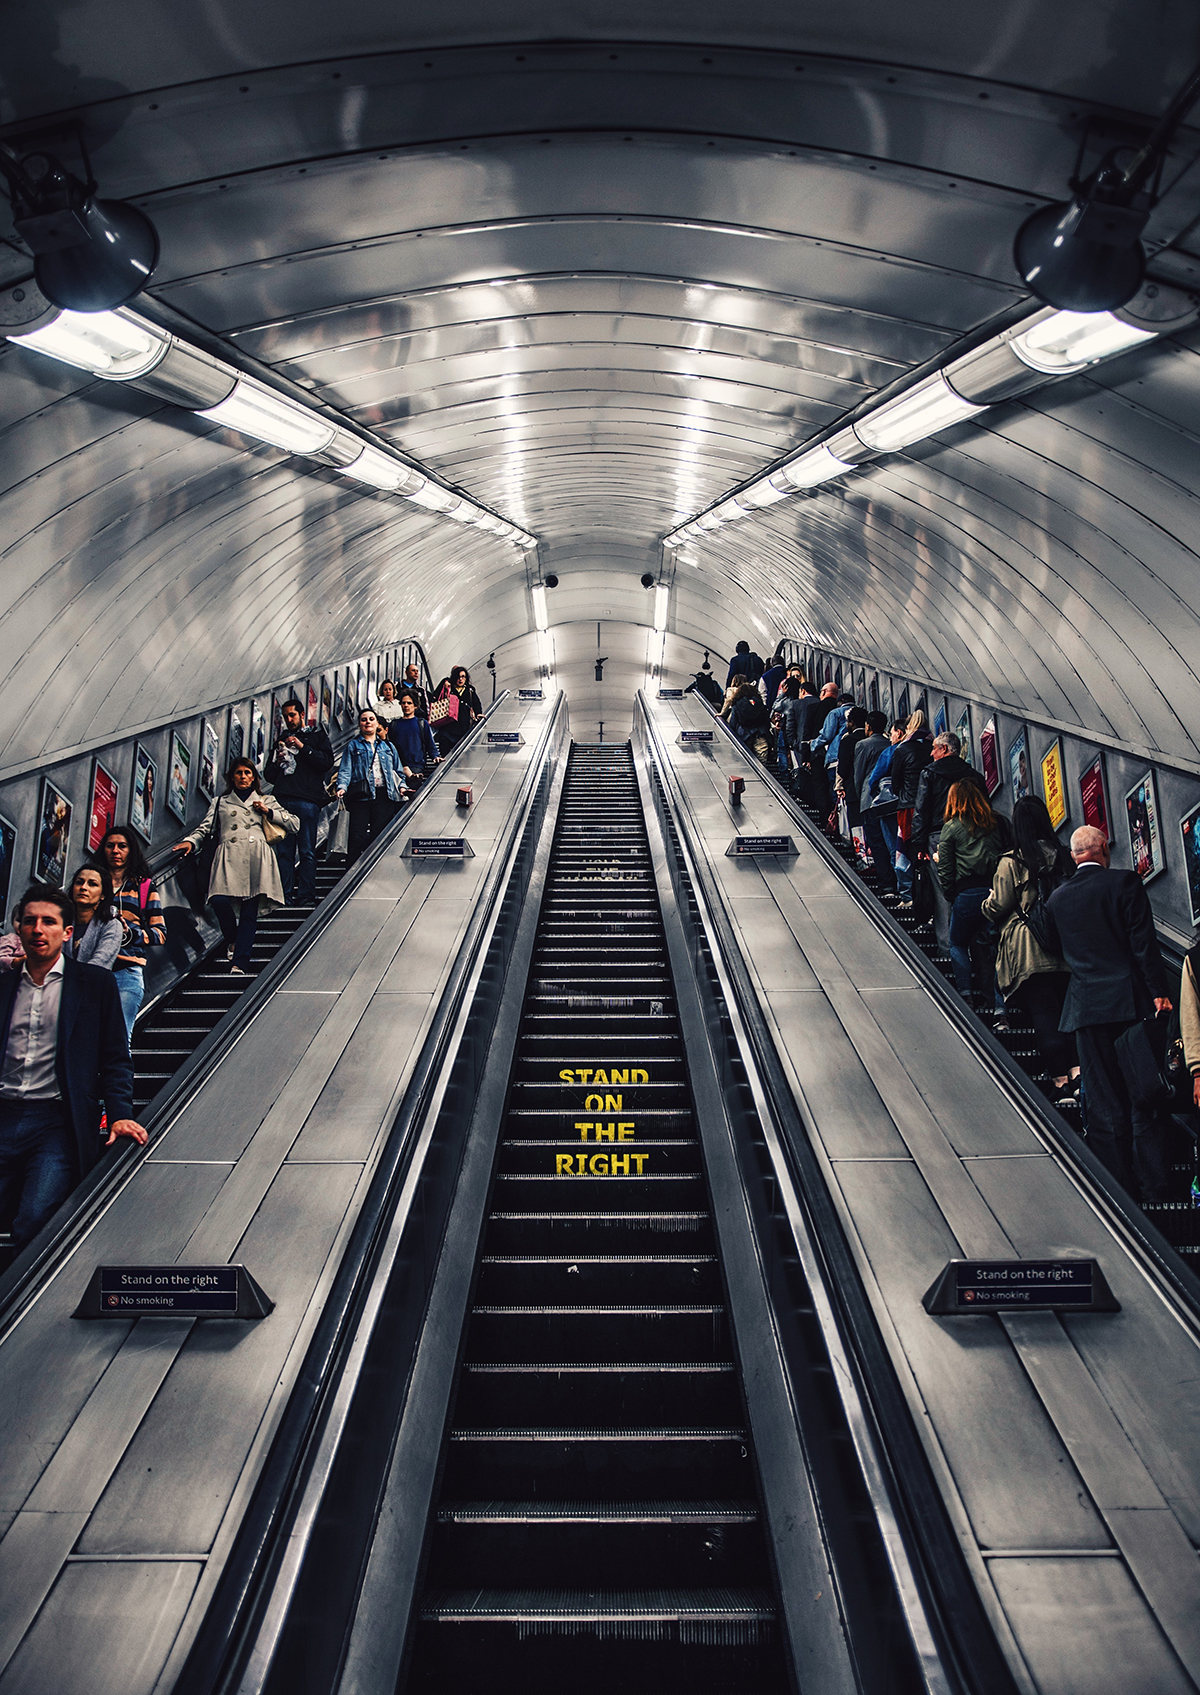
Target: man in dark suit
x,y
63,1049
1105,932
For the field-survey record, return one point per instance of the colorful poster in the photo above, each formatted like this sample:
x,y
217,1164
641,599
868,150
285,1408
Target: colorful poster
x,y
145,788
276,718
902,707
8,851
236,744
326,701
1054,787
860,688
339,696
989,757
1145,836
310,715
1093,798
102,812
963,731
258,735
941,718
1018,766
210,760
1191,858
177,783
53,837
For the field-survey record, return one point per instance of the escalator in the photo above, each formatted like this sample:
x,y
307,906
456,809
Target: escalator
x,y
599,1519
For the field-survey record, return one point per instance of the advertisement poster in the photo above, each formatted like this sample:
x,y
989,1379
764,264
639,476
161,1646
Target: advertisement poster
x,y
339,697
989,757
1145,835
326,702
1093,798
237,736
902,707
860,688
210,760
276,718
8,849
1191,857
53,837
310,715
145,788
361,697
102,812
258,735
1018,766
177,783
941,718
963,731
1054,786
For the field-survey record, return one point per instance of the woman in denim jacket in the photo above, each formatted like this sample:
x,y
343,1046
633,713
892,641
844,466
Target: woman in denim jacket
x,y
371,781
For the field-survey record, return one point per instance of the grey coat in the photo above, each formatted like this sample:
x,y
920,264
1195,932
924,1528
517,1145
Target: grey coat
x,y
244,864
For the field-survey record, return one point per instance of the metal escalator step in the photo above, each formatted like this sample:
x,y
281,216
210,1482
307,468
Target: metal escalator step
x,y
722,1608
600,1512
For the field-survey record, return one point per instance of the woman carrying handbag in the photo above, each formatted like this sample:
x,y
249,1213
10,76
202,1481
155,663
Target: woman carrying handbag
x,y
243,823
453,708
370,780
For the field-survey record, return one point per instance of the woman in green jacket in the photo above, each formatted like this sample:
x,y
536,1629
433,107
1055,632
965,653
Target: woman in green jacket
x,y
972,841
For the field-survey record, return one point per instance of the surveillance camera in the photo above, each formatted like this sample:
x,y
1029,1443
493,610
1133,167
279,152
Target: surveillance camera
x,y
647,580
550,582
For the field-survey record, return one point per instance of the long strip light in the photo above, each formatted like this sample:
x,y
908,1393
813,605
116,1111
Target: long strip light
x,y
1047,345
662,598
121,346
537,594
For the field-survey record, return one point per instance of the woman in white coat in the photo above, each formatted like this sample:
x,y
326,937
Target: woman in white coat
x,y
245,873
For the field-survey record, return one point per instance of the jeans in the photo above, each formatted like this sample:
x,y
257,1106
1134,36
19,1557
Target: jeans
x,y
39,1164
368,819
131,987
237,929
900,859
301,892
877,842
966,922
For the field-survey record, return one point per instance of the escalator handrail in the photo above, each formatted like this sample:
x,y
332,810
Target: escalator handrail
x,y
225,1635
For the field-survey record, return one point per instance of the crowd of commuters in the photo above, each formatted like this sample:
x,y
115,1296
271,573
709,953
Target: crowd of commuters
x,y
72,970
1030,926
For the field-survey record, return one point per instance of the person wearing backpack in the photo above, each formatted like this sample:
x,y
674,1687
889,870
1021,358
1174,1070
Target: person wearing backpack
x,y
140,911
1030,978
745,663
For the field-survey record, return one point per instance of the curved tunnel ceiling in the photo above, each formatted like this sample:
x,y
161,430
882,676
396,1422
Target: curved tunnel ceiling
x,y
597,282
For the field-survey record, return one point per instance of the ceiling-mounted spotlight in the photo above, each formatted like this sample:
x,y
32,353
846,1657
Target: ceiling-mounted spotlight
x,y
1085,254
706,666
600,668
551,582
647,580
89,255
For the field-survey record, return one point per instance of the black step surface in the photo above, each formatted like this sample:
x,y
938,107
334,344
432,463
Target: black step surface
x,y
598,1526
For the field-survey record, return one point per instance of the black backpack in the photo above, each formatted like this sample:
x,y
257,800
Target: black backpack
x,y
1036,918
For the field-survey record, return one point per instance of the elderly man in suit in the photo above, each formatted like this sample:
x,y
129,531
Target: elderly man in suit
x,y
63,1049
1105,932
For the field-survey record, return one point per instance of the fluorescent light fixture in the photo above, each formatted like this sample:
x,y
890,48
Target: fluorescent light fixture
x,y
526,542
662,596
379,470
1069,340
761,494
433,498
538,595
816,466
255,410
677,540
730,509
929,407
115,345
707,521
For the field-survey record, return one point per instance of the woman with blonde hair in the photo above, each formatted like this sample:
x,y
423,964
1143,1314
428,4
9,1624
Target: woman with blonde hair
x,y
973,840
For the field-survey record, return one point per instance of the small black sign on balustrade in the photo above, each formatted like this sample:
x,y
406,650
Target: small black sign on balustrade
x,y
741,845
529,694
173,1291
1019,1285
439,847
505,738
688,737
670,694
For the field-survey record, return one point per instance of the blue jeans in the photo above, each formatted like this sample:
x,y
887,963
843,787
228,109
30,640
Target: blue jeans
x,y
131,987
900,860
39,1164
967,922
301,891
237,929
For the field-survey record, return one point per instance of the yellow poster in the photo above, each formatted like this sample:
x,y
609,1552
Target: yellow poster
x,y
1053,786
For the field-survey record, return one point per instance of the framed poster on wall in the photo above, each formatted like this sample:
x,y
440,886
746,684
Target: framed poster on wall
x,y
339,696
1145,832
941,718
210,759
8,852
102,807
989,757
1093,796
177,782
310,711
258,735
963,731
902,707
1018,766
1189,831
145,792
1054,787
276,718
326,701
235,744
53,838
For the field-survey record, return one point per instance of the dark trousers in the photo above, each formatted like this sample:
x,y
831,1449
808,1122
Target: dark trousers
x,y
39,1163
368,819
302,890
1041,999
1132,1143
885,872
967,923
237,928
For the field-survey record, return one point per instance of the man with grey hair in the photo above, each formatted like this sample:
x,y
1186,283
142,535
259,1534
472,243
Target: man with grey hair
x,y
1102,925
946,767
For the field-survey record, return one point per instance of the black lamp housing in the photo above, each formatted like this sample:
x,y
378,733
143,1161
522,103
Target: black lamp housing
x,y
1085,254
90,255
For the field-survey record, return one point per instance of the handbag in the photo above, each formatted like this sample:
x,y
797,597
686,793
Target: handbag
x,y
443,706
923,903
272,831
339,835
359,789
1149,1085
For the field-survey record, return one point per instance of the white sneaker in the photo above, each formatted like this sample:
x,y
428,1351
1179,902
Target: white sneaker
x,y
228,954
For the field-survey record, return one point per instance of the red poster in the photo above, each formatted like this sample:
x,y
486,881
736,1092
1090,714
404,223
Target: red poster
x,y
1091,793
102,813
989,756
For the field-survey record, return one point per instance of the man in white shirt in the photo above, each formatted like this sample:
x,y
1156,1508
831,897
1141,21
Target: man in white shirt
x,y
62,1049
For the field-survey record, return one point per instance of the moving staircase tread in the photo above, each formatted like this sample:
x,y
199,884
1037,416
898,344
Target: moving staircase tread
x,y
612,1604
600,1512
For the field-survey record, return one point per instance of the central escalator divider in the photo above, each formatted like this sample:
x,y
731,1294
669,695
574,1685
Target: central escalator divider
x,y
598,1526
